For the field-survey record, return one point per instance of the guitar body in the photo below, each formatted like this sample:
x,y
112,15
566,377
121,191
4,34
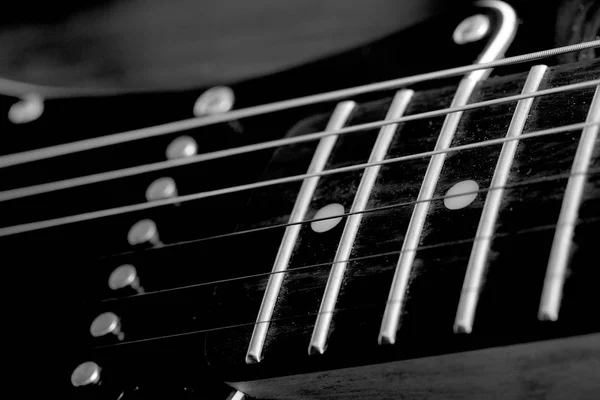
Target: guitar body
x,y
185,327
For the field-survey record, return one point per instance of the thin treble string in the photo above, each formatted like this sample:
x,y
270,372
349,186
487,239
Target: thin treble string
x,y
32,226
315,314
178,126
314,266
535,181
158,166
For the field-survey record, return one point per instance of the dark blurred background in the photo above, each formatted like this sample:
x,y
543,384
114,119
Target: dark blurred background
x,y
188,43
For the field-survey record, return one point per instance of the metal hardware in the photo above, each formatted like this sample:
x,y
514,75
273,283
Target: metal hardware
x,y
557,269
386,134
85,374
216,100
473,281
159,130
472,29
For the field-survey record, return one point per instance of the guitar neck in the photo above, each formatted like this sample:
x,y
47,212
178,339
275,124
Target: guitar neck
x,y
477,252
539,161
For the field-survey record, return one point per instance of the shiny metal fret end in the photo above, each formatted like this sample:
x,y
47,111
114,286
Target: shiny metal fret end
x,y
161,188
338,119
380,148
236,395
393,309
473,281
181,147
125,276
495,49
561,245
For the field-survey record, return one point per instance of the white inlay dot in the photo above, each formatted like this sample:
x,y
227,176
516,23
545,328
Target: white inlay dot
x,y
330,210
183,146
216,100
461,195
28,109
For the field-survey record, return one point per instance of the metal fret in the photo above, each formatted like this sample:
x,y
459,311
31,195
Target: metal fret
x,y
473,278
391,316
495,49
236,395
338,120
561,245
380,148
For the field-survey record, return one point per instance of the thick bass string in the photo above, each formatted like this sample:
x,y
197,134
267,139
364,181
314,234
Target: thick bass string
x,y
33,226
279,106
159,166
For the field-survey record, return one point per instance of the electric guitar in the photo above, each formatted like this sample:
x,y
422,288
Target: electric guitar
x,y
412,219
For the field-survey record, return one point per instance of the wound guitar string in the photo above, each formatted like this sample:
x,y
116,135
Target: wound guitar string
x,y
69,148
162,165
336,310
564,176
33,226
52,152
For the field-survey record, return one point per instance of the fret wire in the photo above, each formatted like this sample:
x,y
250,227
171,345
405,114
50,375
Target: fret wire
x,y
371,210
561,246
161,165
179,126
32,226
237,395
322,154
241,325
365,187
465,314
391,316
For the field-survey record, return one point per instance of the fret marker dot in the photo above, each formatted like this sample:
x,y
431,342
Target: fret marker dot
x,y
330,210
28,109
87,373
125,276
216,100
162,188
181,147
461,195
143,232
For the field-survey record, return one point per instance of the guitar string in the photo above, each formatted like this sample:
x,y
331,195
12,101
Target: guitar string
x,y
319,265
549,178
182,125
297,316
69,183
481,67
537,229
373,210
37,225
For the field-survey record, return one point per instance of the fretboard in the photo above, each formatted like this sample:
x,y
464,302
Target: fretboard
x,y
479,271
